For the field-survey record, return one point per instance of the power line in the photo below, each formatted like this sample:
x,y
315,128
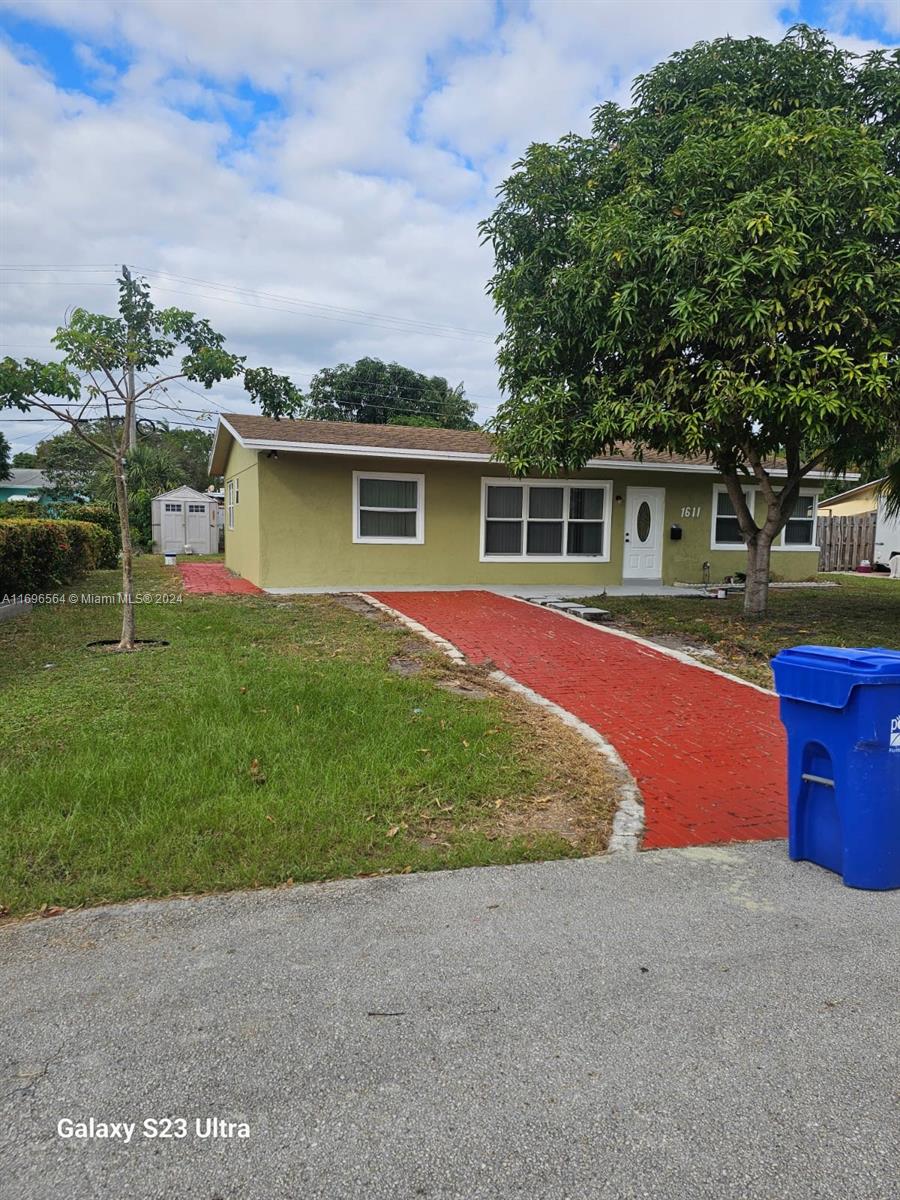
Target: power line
x,y
316,303
297,308
415,323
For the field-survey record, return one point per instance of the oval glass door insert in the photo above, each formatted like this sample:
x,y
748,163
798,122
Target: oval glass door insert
x,y
642,523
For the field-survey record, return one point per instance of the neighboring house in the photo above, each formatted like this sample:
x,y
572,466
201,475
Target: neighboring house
x,y
337,505
867,499
185,521
25,483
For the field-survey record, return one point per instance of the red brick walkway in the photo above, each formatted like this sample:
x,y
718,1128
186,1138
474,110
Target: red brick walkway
x,y
708,754
214,579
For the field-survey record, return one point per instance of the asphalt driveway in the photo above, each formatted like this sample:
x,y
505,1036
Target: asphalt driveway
x,y
685,1023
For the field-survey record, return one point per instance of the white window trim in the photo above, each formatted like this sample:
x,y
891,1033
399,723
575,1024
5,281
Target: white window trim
x,y
803,548
419,539
229,503
604,485
718,489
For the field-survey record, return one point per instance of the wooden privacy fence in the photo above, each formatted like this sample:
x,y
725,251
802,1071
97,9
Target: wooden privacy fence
x,y
845,541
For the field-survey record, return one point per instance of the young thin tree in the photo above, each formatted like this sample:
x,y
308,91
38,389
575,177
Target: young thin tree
x,y
118,364
712,272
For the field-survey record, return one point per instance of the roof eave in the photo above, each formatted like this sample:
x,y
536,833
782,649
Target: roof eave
x,y
359,451
219,450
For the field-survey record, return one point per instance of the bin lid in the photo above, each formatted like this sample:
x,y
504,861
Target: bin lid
x,y
827,674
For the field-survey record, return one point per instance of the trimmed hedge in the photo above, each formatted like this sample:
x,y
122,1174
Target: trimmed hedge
x,y
37,556
61,510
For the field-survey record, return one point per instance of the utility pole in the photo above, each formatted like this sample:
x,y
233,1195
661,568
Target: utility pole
x,y
130,406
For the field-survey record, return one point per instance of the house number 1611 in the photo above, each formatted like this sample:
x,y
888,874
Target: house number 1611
x,y
687,511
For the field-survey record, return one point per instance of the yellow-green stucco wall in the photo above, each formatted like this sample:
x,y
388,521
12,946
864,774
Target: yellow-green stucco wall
x,y
242,544
294,528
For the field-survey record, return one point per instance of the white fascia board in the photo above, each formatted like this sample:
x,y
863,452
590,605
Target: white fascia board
x,y
469,456
222,424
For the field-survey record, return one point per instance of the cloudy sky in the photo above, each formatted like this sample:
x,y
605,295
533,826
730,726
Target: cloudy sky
x,y
309,175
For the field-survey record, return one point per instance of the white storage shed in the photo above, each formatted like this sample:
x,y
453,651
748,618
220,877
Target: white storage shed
x,y
185,522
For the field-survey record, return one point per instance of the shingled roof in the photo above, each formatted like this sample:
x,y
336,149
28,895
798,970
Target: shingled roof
x,y
407,440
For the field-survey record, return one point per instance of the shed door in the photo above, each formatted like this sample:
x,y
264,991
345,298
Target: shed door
x,y
197,528
172,527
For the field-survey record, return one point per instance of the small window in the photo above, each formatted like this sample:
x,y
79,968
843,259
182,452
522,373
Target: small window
x,y
388,508
173,507
196,508
229,503
726,526
800,530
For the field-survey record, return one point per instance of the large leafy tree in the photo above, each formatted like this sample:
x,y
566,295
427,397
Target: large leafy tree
x,y
117,364
713,271
380,393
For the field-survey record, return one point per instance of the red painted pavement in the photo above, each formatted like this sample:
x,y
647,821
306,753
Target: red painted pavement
x,y
214,579
708,754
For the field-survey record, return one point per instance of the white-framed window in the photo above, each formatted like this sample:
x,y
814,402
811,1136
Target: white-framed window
x,y
229,502
196,508
545,520
170,507
726,529
388,508
800,531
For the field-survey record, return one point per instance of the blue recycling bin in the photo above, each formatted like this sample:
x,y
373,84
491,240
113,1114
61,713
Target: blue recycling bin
x,y
841,710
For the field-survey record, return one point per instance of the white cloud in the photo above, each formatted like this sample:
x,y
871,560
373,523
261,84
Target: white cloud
x,y
362,187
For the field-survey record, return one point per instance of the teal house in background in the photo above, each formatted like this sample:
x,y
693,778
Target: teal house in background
x,y
25,483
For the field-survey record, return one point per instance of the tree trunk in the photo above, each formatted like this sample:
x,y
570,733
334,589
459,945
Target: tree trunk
x,y
756,590
126,641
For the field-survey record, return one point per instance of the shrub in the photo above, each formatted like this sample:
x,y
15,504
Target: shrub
x,y
97,514
29,510
37,555
62,510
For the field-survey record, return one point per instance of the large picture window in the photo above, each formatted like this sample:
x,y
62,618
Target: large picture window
x,y
545,521
726,530
388,508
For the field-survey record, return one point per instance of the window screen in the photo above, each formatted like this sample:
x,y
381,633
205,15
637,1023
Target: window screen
x,y
388,508
801,527
728,528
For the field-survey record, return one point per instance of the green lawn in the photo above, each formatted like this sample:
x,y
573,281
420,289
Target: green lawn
x,y
268,742
863,610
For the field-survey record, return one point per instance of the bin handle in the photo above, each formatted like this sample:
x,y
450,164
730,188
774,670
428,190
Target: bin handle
x,y
818,779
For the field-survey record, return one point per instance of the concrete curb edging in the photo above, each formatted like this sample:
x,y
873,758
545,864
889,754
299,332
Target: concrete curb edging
x,y
680,655
628,821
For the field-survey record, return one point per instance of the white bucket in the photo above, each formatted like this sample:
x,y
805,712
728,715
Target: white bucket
x,y
170,560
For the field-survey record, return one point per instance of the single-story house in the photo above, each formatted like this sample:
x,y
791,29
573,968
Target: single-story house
x,y
868,498
184,521
25,483
327,505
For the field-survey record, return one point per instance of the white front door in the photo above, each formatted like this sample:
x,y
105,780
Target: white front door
x,y
644,512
